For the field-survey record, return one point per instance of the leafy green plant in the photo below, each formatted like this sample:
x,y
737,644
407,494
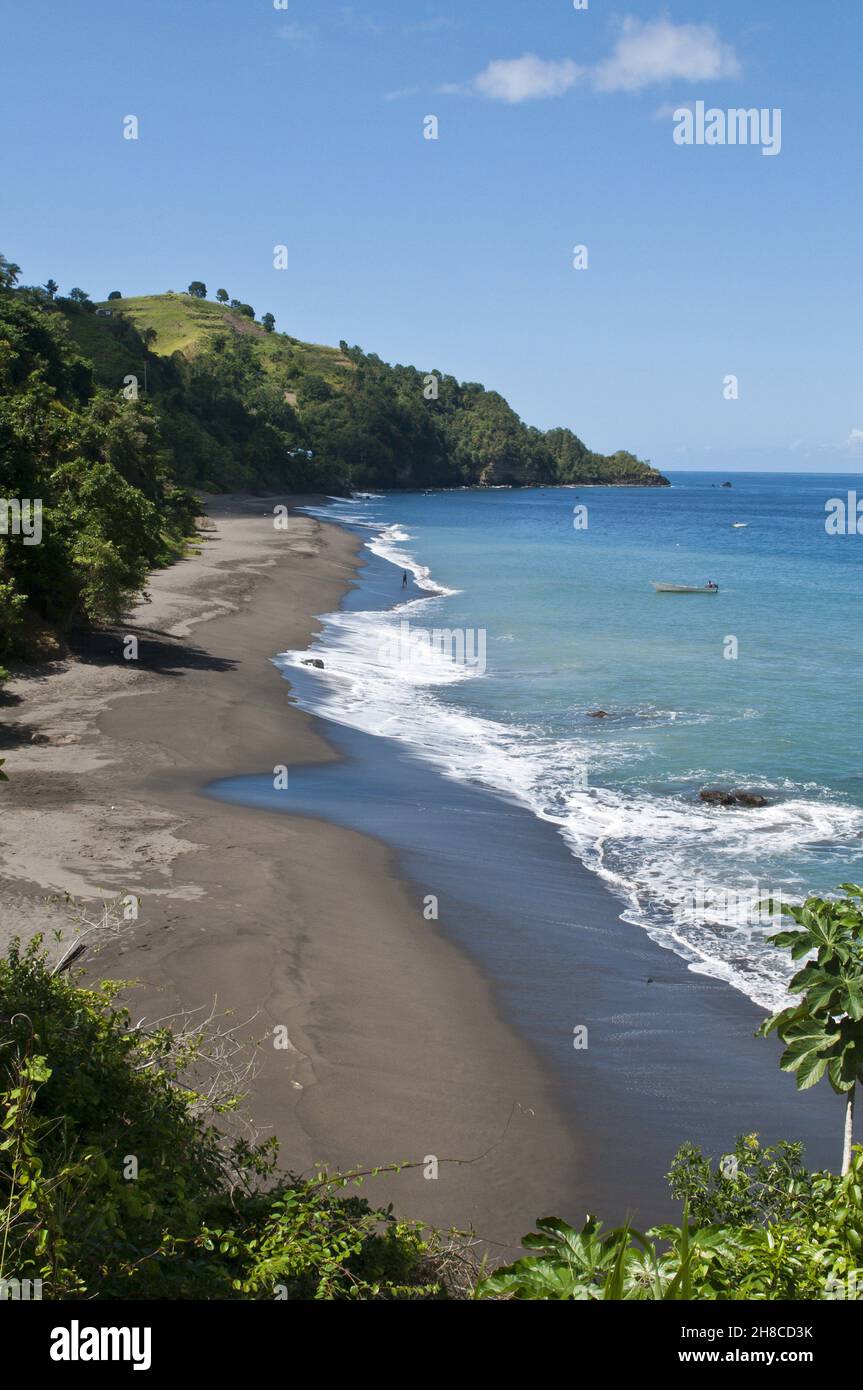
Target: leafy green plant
x,y
823,1033
751,1183
11,610
667,1264
120,1179
759,1228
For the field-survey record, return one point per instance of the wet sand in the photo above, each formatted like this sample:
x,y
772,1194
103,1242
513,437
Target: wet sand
x,y
397,1048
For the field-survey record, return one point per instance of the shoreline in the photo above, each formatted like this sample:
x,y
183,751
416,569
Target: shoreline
x,y
645,828
397,1047
671,1056
406,1038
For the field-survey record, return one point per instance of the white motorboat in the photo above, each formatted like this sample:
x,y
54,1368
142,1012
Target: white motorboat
x,y
685,588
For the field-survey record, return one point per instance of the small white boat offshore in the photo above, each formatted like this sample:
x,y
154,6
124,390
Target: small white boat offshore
x,y
685,588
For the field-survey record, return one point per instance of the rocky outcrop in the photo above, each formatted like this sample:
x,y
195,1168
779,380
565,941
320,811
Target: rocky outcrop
x,y
732,796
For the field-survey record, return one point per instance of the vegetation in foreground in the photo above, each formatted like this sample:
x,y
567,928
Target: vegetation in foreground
x,y
757,1226
118,1178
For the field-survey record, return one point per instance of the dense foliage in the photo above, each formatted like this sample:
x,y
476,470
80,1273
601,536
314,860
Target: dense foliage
x,y
392,434
116,1183
94,461
757,1226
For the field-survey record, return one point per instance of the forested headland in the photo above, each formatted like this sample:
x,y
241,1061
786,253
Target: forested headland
x,y
115,414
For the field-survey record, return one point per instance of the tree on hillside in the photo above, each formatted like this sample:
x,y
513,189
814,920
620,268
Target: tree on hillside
x,y
198,289
824,1032
9,273
51,288
247,310
222,296
315,388
78,296
95,460
115,294
268,322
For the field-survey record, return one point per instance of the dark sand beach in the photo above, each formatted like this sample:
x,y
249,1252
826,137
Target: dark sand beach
x,y
408,1038
398,1050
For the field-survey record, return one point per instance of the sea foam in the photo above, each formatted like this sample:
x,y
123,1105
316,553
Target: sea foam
x,y
653,848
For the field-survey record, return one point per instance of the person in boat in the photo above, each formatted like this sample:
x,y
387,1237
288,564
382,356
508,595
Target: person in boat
x,y
711,585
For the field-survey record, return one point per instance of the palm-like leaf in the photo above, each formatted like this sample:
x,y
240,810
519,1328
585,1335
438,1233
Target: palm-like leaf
x,y
823,1033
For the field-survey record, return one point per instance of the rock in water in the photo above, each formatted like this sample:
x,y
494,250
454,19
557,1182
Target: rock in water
x,y
597,714
729,796
313,661
746,798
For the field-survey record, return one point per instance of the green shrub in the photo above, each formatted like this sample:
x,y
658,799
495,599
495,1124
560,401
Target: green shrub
x,y
11,614
116,1181
757,1226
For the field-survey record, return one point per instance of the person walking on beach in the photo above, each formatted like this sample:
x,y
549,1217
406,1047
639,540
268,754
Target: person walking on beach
x,y
404,579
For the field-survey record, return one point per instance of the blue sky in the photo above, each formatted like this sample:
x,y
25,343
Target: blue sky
x,y
304,126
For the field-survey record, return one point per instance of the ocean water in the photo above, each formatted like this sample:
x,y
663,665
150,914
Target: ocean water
x,y
545,613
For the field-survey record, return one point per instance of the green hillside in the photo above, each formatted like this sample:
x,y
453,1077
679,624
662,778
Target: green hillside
x,y
183,323
354,420
115,414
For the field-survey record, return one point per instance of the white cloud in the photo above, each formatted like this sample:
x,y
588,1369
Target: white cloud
x,y
855,442
658,50
526,79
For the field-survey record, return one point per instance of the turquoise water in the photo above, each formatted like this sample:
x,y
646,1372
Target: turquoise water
x,y
549,620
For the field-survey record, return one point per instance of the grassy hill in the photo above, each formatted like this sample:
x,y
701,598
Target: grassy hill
x,y
182,323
